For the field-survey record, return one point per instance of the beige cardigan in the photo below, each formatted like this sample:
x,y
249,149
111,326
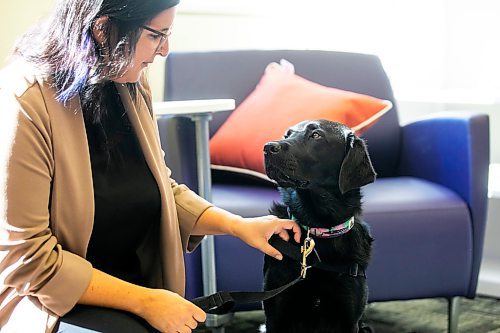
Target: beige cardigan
x,y
47,202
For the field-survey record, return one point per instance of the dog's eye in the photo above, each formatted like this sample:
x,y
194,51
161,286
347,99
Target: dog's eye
x,y
315,135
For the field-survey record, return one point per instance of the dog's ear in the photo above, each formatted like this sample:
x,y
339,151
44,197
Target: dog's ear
x,y
357,169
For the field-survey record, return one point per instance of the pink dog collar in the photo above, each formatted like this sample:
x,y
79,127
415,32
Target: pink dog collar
x,y
335,231
332,232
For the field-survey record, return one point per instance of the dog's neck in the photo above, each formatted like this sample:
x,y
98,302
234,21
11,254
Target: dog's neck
x,y
323,208
331,232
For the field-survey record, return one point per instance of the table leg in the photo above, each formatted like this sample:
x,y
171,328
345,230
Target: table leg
x,y
205,190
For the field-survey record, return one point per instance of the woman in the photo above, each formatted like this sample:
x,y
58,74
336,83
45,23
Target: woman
x,y
93,227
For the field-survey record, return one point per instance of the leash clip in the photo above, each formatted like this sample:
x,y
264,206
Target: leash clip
x,y
306,250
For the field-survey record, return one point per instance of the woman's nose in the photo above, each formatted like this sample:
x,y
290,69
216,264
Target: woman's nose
x,y
164,49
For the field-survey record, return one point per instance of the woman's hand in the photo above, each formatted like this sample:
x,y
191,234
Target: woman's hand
x,y
254,231
170,313
165,310
257,231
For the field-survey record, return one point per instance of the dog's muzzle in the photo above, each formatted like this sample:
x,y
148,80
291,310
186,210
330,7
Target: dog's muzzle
x,y
281,166
272,147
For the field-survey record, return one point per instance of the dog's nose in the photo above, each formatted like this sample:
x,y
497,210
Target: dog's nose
x,y
272,147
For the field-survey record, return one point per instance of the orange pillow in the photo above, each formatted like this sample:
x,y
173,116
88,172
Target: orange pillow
x,y
280,100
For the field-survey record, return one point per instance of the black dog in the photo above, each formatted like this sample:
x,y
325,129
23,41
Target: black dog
x,y
319,167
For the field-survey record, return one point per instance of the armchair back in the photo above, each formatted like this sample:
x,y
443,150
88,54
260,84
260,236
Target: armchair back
x,y
234,74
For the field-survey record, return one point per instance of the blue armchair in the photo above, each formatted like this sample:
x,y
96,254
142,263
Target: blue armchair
x,y
427,209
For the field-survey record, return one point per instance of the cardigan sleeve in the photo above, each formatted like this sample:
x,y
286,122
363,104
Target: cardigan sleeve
x,y
32,262
189,206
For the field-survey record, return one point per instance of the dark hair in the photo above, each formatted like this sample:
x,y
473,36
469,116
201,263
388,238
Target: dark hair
x,y
64,47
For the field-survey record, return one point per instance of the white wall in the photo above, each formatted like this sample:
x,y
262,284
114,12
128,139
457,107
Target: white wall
x,y
16,17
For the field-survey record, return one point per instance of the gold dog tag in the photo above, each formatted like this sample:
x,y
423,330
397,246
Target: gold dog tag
x,y
306,250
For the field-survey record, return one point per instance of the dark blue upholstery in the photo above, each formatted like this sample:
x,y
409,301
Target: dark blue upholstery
x,y
426,210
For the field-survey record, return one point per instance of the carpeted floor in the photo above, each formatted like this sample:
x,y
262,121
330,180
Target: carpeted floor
x,y
481,315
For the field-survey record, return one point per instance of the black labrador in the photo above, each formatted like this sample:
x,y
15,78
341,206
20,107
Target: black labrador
x,y
319,167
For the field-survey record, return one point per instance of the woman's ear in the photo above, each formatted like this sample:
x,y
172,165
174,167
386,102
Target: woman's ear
x,y
99,29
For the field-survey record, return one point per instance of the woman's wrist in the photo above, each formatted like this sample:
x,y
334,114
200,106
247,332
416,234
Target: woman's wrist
x,y
139,301
216,221
108,291
234,225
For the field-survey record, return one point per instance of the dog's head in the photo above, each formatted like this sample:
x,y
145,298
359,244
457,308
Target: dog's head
x,y
319,154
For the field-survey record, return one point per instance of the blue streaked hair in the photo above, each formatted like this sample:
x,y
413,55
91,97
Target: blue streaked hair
x,y
63,47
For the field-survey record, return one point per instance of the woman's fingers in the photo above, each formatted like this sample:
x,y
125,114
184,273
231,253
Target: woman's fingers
x,y
271,251
192,324
290,225
199,315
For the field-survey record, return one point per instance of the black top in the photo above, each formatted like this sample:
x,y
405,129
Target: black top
x,y
127,198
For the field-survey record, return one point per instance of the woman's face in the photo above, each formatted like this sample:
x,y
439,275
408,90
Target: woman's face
x,y
149,45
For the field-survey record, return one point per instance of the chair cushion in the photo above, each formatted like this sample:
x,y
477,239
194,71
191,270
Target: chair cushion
x,y
416,224
244,200
280,100
429,220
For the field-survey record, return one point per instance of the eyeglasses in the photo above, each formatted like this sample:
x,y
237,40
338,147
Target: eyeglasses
x,y
162,35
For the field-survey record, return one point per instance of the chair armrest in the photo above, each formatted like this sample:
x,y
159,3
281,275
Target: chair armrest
x,y
453,149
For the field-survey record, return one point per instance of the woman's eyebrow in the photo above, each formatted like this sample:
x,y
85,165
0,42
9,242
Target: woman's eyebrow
x,y
164,29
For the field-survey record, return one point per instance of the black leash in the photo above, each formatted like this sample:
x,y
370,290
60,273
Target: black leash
x,y
224,301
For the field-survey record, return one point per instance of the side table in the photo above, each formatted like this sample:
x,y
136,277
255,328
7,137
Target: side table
x,y
200,112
